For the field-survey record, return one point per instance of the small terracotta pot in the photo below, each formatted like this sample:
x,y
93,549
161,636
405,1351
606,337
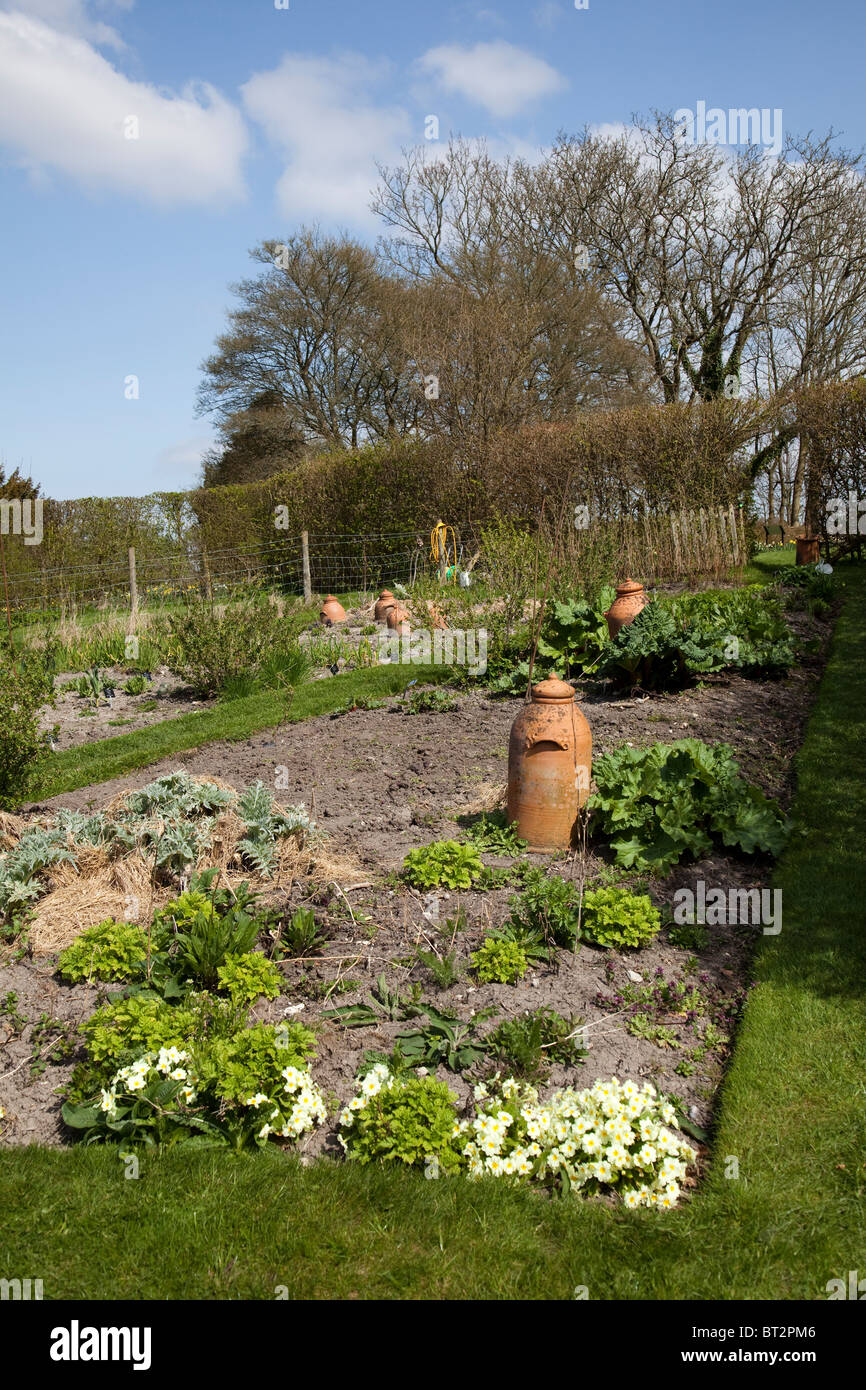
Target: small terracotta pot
x,y
437,618
332,611
808,552
385,601
630,599
396,616
549,767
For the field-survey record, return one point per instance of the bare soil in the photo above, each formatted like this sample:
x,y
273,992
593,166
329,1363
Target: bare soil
x,y
383,781
77,719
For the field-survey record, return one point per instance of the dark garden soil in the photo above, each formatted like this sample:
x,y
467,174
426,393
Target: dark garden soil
x,y
382,782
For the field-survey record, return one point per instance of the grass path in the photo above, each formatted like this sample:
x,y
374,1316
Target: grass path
x,y
90,763
792,1115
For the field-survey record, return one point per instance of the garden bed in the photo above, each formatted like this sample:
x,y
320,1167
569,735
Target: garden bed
x,y
382,781
76,718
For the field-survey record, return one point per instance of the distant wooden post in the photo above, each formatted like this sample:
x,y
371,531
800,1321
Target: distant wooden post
x,y
208,583
133,585
305,566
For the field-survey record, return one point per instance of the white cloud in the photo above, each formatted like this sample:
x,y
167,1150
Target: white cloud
x,y
497,75
63,106
320,112
71,17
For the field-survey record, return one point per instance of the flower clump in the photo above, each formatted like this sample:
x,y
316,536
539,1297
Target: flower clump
x,y
298,1110
169,1064
614,1137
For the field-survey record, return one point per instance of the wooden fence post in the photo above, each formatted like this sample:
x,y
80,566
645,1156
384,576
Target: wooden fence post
x,y
305,566
133,584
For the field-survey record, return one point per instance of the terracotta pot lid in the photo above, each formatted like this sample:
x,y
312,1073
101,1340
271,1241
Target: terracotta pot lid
x,y
553,689
629,586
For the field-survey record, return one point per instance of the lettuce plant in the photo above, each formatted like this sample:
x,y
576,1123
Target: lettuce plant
x,y
499,962
108,951
444,864
615,917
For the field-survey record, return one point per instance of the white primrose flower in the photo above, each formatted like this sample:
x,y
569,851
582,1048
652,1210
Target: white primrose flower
x,y
258,1099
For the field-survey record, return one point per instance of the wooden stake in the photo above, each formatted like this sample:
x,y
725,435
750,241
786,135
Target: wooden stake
x,y
305,567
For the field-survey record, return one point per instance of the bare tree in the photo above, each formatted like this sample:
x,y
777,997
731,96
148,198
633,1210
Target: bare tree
x,y
321,328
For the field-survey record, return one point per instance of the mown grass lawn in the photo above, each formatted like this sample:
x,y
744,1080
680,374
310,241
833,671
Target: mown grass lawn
x,y
792,1117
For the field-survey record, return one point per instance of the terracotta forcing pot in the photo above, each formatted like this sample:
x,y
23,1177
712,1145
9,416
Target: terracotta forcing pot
x,y
549,767
808,552
630,599
385,601
396,616
332,611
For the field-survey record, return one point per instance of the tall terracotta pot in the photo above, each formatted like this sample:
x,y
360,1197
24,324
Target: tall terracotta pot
x,y
396,616
808,552
383,603
549,767
332,611
630,599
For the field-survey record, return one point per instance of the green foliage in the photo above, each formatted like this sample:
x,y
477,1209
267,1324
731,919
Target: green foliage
x,y
745,626
300,934
252,1059
689,936
546,909
136,684
108,951
406,1119
384,1003
527,1045
226,1085
492,833
248,977
429,702
210,939
443,1039
443,968
127,1028
444,864
207,645
658,804
24,689
615,917
574,634
654,653
499,962
803,582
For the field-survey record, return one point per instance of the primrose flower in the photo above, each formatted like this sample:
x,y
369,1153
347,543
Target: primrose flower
x,y
108,1103
631,1200
258,1099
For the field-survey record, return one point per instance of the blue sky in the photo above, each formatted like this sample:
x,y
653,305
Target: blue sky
x,y
117,252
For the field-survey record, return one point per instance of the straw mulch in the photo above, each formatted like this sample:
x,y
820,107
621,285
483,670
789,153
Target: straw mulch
x,y
125,887
489,796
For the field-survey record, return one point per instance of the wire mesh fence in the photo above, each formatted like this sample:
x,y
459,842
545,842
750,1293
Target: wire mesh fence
x,y
294,565
670,546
